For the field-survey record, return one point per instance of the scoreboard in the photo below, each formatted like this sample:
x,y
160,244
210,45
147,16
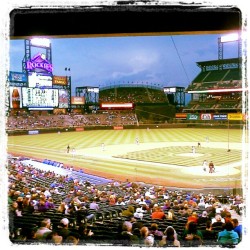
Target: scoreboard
x,y
39,98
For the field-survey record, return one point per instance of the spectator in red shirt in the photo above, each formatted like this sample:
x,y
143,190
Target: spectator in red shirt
x,y
158,214
193,217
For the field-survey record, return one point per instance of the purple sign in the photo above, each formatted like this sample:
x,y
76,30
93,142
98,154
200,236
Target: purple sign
x,y
39,62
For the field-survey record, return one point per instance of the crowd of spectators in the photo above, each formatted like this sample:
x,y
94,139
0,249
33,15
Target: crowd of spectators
x,y
133,95
105,118
45,207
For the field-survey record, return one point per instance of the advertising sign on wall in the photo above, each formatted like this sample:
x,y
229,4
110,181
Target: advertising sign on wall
x,y
220,116
17,77
192,117
60,80
206,117
77,100
15,97
235,116
57,111
63,98
181,116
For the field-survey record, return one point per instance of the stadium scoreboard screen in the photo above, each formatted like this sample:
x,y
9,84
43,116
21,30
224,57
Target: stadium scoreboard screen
x,y
37,80
39,98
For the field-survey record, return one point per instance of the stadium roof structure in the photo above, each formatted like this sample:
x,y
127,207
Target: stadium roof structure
x,y
233,62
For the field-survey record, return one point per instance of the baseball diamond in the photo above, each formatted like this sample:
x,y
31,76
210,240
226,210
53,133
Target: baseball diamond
x,y
164,156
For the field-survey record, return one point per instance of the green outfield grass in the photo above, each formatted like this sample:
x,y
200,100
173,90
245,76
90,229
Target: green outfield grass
x,y
160,157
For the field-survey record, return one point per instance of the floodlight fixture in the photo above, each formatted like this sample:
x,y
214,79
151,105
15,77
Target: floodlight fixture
x,y
40,42
230,38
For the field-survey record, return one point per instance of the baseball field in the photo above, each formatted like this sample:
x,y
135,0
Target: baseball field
x,y
161,156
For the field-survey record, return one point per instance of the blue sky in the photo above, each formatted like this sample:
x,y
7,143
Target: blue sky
x,y
164,60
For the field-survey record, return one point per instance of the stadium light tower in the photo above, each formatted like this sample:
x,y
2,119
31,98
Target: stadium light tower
x,y
233,37
69,84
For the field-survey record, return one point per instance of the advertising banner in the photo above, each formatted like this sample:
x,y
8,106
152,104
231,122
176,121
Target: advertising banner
x,y
79,129
181,116
206,117
57,111
17,77
15,97
63,98
220,117
235,116
118,127
192,117
60,80
77,100
33,132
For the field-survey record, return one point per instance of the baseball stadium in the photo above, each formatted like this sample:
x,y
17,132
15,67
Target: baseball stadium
x,y
108,151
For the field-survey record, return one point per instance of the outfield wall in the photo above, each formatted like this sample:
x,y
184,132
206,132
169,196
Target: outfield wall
x,y
141,126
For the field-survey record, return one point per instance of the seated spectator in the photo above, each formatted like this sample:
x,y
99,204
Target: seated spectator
x,y
84,214
148,201
126,237
203,218
217,221
129,212
94,205
45,229
201,204
228,217
171,215
72,239
212,213
54,238
112,200
169,238
166,205
30,235
64,228
228,236
147,238
191,235
222,211
237,227
145,209
85,232
154,230
158,214
62,208
131,201
208,234
176,205
138,213
120,202
19,201
193,217
14,210
41,206
50,203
